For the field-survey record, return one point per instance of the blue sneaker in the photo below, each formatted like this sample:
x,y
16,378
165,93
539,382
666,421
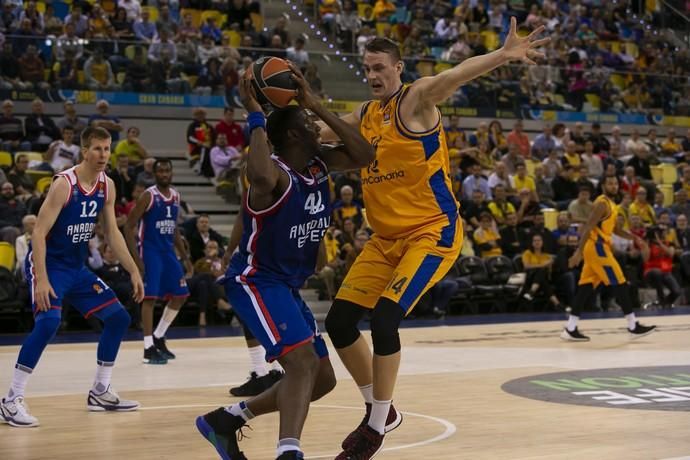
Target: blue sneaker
x,y
222,430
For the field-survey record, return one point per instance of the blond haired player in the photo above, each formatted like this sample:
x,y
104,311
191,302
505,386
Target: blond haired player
x,y
411,208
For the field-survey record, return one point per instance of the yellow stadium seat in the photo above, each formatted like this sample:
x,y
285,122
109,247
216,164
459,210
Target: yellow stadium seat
x,y
425,68
550,218
366,12
559,99
594,100
234,37
257,21
380,28
81,77
616,47
153,13
618,80
530,166
41,7
109,6
7,255
43,183
669,173
196,15
632,49
667,190
441,66
191,79
129,52
657,174
5,159
38,175
215,14
120,77
491,39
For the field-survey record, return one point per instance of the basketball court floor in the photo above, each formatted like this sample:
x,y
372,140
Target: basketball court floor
x,y
493,391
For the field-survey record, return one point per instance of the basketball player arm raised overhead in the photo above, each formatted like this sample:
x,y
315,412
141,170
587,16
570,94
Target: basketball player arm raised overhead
x,y
58,194
267,181
598,214
355,151
130,229
117,243
425,93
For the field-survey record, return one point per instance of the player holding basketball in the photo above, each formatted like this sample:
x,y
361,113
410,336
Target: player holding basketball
x,y
164,278
601,266
411,208
56,272
286,213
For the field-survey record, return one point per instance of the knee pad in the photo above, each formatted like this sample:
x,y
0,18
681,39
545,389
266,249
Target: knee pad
x,y
384,327
341,323
120,319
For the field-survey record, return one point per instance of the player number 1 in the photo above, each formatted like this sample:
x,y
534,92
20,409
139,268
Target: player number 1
x,y
168,209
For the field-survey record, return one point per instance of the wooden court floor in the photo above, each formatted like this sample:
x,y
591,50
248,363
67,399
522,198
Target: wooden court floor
x,y
451,391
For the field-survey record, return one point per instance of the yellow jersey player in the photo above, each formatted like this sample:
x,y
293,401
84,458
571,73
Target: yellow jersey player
x,y
600,265
411,208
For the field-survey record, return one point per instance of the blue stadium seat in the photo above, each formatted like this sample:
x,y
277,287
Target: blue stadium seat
x,y
61,9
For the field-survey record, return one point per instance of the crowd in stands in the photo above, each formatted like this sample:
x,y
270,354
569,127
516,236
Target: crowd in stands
x,y
612,55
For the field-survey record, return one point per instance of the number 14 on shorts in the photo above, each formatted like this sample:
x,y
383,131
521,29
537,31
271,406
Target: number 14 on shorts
x,y
397,283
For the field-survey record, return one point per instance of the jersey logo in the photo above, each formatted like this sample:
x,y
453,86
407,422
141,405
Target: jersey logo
x,y
314,203
373,166
97,287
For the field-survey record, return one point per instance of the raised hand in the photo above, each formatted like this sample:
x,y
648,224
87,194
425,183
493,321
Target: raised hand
x,y
248,95
517,48
305,97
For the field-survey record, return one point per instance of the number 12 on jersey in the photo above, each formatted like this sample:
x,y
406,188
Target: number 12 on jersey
x,y
92,209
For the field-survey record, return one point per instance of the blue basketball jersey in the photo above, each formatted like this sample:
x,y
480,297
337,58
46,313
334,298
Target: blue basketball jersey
x,y
157,226
282,242
67,243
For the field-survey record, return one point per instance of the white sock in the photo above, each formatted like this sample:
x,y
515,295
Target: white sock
x,y
632,321
104,371
19,380
257,356
572,323
367,393
240,410
288,444
148,341
379,414
164,323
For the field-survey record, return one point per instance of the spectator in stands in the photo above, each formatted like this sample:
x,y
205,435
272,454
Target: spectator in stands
x,y
76,18
211,30
598,140
670,146
581,208
32,69
232,130
276,47
200,138
512,237
500,177
348,25
563,229
658,267
347,208
166,76
521,181
528,209
98,73
65,73
681,205
544,143
202,285
12,211
187,54
683,235
297,54
144,29
188,29
122,25
109,269
474,208
63,154
552,164
686,142
11,130
475,181
517,136
311,74
131,147
69,41
146,176
543,187
653,144
595,167
226,160
512,158
109,122
165,20
132,7
10,77
617,140
21,244
200,235
7,17
35,18
564,187
500,206
641,207
660,209
634,142
537,263
98,23
123,180
571,156
629,182
414,45
684,181
41,130
360,240
71,119
138,73
162,44
486,239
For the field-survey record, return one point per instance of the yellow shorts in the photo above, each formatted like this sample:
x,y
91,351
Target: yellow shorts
x,y
401,270
600,265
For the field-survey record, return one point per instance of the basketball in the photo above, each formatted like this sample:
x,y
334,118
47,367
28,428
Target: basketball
x,y
272,81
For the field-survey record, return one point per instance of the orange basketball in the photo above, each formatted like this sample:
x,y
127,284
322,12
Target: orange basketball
x,y
272,81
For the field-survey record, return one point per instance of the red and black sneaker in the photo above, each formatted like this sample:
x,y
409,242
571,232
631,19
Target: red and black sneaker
x,y
367,443
393,421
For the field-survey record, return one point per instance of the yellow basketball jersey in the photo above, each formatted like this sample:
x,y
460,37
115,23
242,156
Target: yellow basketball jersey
x,y
407,187
604,229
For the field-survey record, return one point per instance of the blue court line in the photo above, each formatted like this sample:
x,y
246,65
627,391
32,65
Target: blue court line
x,y
466,320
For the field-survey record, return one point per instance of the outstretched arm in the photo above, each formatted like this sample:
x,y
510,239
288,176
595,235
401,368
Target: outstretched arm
x,y
431,91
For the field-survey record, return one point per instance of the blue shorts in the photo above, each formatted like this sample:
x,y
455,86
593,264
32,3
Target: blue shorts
x,y
78,287
163,276
275,314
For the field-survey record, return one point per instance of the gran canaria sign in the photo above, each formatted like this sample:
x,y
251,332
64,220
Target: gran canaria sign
x,y
650,388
